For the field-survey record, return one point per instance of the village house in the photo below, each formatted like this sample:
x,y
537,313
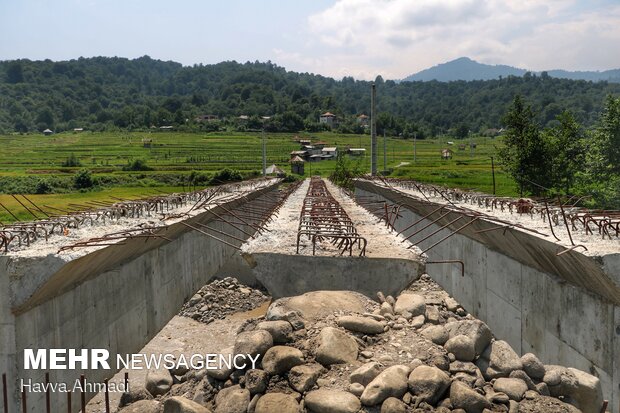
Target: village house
x,y
300,154
363,120
330,153
329,119
297,165
207,118
446,154
357,151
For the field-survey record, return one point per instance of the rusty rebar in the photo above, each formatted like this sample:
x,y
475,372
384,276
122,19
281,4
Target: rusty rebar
x,y
83,393
448,236
5,394
48,402
107,396
323,218
211,236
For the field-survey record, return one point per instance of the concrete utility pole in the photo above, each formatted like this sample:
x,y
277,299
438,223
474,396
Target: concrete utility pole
x,y
415,152
264,155
373,130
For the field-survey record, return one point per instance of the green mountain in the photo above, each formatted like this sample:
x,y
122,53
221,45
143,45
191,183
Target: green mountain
x,y
104,93
466,69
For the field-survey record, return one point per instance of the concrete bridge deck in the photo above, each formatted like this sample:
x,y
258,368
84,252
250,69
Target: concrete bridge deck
x,y
563,308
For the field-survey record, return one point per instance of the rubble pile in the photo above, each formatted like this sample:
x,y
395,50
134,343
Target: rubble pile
x,y
220,298
339,352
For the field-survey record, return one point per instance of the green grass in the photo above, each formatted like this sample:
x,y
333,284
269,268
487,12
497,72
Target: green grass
x,y
174,153
71,201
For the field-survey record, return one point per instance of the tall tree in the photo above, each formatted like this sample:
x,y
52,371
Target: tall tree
x,y
567,150
525,153
608,137
603,173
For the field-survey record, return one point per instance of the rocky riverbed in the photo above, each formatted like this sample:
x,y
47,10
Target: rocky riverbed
x,y
338,351
221,298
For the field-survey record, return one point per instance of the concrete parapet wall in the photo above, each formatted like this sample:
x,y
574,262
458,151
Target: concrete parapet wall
x,y
117,298
288,275
563,309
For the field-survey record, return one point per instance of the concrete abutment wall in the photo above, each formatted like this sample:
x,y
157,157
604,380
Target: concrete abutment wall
x,y
288,275
117,298
519,287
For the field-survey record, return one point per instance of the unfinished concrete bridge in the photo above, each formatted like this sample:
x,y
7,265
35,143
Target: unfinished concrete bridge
x,y
113,277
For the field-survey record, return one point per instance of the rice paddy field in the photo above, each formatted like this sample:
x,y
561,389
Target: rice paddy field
x,y
173,158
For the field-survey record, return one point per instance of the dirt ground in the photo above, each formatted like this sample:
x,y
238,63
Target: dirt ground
x,y
184,335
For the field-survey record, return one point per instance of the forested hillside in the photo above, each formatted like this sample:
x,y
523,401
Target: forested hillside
x,y
116,93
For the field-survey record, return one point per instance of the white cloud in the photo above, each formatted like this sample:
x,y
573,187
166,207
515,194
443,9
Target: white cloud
x,y
394,38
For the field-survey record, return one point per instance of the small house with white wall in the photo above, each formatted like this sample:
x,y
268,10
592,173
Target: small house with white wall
x,y
328,118
331,152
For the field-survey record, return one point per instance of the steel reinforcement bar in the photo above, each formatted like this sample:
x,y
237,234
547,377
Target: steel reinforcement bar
x,y
322,218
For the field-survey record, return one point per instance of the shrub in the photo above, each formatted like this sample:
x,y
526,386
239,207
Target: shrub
x,y
43,187
291,178
137,165
226,175
71,161
83,180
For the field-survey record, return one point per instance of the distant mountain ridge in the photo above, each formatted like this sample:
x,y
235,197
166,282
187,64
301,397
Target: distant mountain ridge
x,y
465,68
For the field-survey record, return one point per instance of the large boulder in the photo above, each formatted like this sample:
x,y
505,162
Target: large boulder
x,y
413,304
142,406
158,382
589,394
391,382
336,346
256,381
365,374
464,397
498,360
223,371
478,331
533,366
303,378
428,384
393,405
560,381
462,347
179,404
332,401
254,343
280,359
277,402
437,334
232,399
513,388
279,330
364,325
317,304
133,395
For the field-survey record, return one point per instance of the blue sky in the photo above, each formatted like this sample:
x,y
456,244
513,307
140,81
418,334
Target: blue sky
x,y
360,38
